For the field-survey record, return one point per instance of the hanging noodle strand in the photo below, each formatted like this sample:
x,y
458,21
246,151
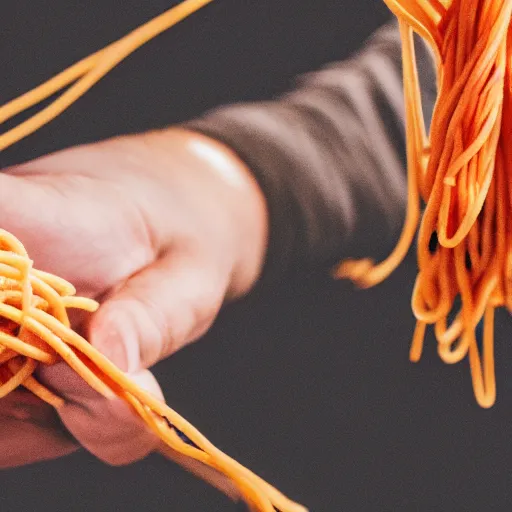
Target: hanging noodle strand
x,y
461,172
34,325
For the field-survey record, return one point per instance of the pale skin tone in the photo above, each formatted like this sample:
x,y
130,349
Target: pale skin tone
x,y
162,229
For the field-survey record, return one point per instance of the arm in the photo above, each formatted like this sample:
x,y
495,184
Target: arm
x,y
162,228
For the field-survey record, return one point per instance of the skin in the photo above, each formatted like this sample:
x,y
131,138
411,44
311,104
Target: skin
x,y
162,229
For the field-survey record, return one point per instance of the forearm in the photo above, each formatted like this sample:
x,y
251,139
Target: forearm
x,y
329,156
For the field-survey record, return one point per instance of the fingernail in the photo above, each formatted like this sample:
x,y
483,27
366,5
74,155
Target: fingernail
x,y
116,339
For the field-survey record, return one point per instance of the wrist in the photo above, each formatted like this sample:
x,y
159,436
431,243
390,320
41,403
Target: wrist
x,y
220,177
249,213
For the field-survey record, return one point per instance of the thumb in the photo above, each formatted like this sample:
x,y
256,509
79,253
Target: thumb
x,y
159,310
106,428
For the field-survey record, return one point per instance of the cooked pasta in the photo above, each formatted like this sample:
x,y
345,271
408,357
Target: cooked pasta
x,y
34,324
461,171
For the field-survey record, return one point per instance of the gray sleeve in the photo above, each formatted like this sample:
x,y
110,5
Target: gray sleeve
x,y
330,156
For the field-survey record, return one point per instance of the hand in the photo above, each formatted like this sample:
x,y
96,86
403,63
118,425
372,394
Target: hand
x,y
161,228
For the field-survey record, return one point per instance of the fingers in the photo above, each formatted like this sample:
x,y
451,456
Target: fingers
x,y
158,311
31,431
109,429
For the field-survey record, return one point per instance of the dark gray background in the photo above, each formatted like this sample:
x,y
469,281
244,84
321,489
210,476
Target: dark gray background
x,y
310,385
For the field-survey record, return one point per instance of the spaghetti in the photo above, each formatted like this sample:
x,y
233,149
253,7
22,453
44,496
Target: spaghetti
x,y
462,174
34,323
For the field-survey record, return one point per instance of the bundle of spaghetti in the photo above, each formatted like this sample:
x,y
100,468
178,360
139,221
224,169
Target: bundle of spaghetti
x,y
34,325
35,329
461,172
